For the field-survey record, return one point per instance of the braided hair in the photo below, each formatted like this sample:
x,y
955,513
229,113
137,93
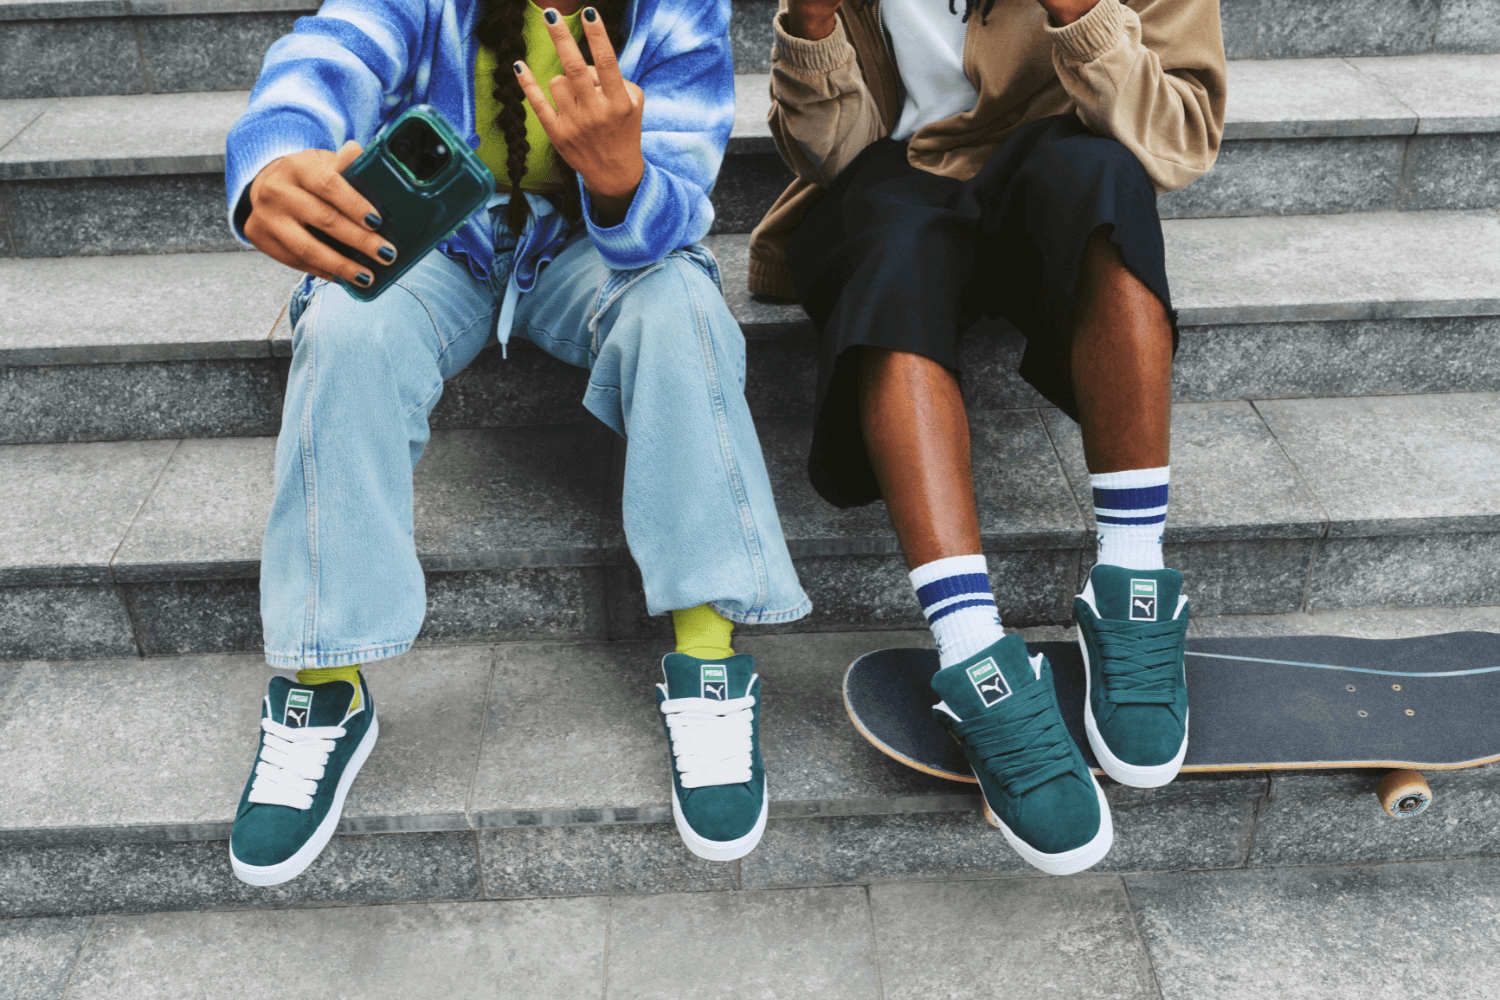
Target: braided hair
x,y
500,29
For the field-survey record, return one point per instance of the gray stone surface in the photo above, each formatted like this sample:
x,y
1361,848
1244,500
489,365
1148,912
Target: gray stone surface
x,y
209,52
1197,821
1295,98
459,950
595,860
758,178
1230,478
206,516
1340,358
1372,265
70,505
492,498
1452,171
528,387
1468,26
758,316
17,115
1463,820
38,955
96,216
1247,577
69,58
1383,465
750,35
178,307
1291,29
195,616
1406,570
1365,623
780,376
1073,937
1449,93
81,879
139,400
1237,23
990,354
1293,177
811,944
123,135
752,133
1331,933
61,622
548,602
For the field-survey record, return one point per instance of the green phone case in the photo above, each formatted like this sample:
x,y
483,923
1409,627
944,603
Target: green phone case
x,y
415,215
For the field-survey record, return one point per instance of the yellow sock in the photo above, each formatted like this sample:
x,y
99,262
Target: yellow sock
x,y
322,675
703,632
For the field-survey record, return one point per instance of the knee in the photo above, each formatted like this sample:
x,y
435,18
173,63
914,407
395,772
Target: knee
x,y
671,308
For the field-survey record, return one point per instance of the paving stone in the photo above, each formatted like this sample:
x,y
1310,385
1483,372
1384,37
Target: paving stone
x,y
1293,177
814,943
990,356
1289,29
1463,820
1331,933
1237,23
139,400
780,377
750,35
458,950
1449,93
759,178
752,132
93,216
178,307
1230,478
71,506
1452,171
61,622
547,602
17,115
758,315
1341,358
1245,577
123,135
210,52
206,516
1406,570
529,387
1074,937
1384,465
1363,623
1197,821
595,860
38,955
195,616
1468,26
69,58
81,879
1297,98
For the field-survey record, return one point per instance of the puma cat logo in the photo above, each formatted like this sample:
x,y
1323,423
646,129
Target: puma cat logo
x,y
989,681
1143,600
714,682
298,705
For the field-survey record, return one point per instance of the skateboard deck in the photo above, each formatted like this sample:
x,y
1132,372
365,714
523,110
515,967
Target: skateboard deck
x,y
1254,704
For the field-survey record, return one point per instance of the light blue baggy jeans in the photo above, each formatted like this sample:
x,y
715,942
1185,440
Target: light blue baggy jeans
x,y
340,580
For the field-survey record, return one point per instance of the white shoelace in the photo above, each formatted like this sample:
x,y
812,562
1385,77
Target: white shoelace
x,y
710,739
291,763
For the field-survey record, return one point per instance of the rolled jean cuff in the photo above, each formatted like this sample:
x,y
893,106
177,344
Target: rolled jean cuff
x,y
314,661
765,617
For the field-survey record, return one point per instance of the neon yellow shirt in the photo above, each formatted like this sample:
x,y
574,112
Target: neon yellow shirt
x,y
542,173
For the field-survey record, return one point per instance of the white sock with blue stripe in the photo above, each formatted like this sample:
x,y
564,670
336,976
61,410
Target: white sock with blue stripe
x,y
960,609
1131,511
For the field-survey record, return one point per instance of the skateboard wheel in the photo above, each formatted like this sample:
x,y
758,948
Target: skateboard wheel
x,y
1404,794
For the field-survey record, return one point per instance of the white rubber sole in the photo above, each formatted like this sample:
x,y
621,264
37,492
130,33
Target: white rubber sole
x,y
720,850
1065,862
308,852
1134,775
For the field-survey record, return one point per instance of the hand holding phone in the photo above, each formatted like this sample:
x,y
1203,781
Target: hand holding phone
x,y
308,189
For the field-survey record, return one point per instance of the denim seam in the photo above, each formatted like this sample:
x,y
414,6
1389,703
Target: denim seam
x,y
310,485
443,345
365,654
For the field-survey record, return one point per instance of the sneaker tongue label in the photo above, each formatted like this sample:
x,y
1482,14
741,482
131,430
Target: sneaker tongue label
x,y
298,708
1142,600
989,681
713,681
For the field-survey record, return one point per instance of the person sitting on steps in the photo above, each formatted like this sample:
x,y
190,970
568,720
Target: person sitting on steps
x,y
589,249
1002,160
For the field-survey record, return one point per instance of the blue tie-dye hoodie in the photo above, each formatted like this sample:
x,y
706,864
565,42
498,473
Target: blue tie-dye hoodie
x,y
359,63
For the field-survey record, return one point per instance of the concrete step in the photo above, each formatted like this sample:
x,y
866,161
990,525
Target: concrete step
x,y
114,549
539,769
143,173
77,48
183,345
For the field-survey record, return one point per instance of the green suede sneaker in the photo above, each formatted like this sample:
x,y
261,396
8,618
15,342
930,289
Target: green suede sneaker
x,y
711,711
1001,706
314,738
1132,628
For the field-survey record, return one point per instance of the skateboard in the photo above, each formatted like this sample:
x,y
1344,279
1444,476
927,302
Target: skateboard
x,y
1254,704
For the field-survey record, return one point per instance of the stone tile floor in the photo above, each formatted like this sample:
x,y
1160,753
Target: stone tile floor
x,y
1428,929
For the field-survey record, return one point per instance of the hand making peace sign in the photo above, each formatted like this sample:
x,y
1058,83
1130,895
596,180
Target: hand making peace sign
x,y
596,125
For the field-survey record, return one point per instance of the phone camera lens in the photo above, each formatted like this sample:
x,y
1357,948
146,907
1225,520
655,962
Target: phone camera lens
x,y
441,150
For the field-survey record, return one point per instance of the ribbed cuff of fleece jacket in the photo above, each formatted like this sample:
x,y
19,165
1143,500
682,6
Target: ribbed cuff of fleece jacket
x,y
1092,35
822,56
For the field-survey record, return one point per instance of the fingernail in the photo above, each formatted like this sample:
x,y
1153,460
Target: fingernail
x,y
590,15
550,15
386,253
372,220
517,68
363,278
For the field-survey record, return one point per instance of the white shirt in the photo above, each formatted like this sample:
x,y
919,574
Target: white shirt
x,y
929,48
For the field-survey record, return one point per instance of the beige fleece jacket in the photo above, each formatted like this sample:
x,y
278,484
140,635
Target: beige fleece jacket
x,y
1149,73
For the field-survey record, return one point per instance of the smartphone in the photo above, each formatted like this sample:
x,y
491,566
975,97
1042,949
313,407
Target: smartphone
x,y
424,183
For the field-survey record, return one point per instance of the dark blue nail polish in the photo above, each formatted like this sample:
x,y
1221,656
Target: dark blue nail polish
x,y
363,279
517,68
372,220
551,16
386,253
590,15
